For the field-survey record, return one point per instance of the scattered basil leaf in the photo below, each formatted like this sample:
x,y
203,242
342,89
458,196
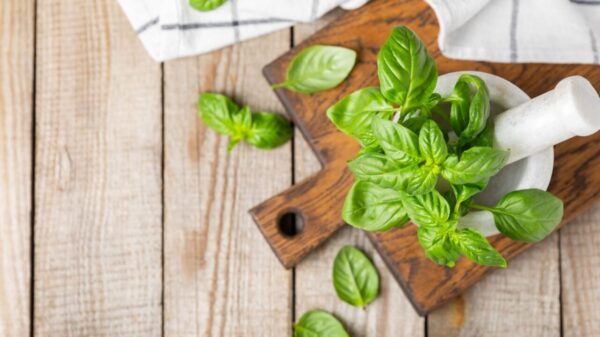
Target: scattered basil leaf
x,y
475,165
318,323
378,169
476,247
263,130
353,114
528,215
269,130
318,68
355,278
206,5
373,208
217,111
435,240
407,73
399,143
432,144
427,209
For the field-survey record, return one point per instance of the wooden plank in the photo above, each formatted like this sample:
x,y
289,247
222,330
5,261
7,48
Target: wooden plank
x,y
221,277
391,314
98,175
523,300
17,21
580,271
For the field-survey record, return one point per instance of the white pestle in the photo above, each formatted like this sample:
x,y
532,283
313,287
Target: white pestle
x,y
571,109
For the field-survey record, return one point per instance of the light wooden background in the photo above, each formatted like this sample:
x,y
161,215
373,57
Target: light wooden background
x,y
122,215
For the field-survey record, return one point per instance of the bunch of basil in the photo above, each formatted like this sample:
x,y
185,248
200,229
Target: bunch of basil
x,y
405,152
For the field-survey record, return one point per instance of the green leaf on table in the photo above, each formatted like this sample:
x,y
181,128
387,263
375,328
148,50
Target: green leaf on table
x,y
407,73
206,5
318,68
355,278
432,144
217,112
528,215
476,247
398,142
353,114
373,208
378,169
475,164
318,323
269,130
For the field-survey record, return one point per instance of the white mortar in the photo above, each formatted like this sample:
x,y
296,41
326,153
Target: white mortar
x,y
533,171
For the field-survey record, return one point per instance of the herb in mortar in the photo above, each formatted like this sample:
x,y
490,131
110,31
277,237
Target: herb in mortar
x,y
355,278
318,68
317,323
263,130
405,154
206,5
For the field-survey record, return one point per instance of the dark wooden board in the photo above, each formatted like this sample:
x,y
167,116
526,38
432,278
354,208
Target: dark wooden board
x,y
318,199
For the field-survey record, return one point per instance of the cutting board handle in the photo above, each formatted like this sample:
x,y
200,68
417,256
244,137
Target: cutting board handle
x,y
316,202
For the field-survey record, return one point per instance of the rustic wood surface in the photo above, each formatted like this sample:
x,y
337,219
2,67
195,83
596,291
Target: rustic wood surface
x,y
318,199
16,125
122,215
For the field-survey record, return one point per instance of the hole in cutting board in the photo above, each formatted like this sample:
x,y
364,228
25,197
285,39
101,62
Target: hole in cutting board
x,y
290,224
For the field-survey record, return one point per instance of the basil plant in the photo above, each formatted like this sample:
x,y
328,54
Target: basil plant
x,y
412,139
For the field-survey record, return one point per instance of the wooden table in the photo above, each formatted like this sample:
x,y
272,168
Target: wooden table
x,y
122,215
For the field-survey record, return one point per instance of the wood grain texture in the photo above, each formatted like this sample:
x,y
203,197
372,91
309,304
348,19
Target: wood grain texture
x,y
97,175
16,120
580,266
221,278
428,286
391,314
521,301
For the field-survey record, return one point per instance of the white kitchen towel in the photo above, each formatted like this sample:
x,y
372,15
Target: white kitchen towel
x,y
554,31
171,28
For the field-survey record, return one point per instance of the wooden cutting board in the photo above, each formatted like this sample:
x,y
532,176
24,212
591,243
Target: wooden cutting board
x,y
318,200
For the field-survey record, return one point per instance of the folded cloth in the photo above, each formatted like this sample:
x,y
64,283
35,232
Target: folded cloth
x,y
172,28
554,31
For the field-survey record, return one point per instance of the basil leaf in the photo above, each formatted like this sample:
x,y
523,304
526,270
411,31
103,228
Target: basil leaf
x,y
269,130
459,106
415,123
479,109
476,247
475,164
407,73
486,137
373,208
206,5
432,144
318,323
353,114
318,68
378,169
355,278
427,209
422,180
436,243
398,142
242,123
217,112
528,215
